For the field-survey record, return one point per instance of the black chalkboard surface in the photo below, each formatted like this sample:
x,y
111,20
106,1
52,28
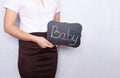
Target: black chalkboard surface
x,y
62,33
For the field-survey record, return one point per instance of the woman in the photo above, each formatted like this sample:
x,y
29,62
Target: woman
x,y
37,56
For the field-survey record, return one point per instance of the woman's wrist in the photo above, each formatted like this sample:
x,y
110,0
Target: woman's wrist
x,y
34,38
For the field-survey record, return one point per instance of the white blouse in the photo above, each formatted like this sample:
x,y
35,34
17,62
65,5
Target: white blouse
x,y
33,15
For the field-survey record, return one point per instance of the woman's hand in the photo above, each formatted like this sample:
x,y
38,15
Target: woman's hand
x,y
43,43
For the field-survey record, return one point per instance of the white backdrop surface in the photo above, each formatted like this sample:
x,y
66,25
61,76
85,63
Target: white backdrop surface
x,y
99,53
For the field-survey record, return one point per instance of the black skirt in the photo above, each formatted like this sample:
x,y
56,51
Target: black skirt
x,y
36,62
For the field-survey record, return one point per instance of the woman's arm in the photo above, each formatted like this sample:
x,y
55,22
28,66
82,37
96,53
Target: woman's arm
x,y
57,17
10,28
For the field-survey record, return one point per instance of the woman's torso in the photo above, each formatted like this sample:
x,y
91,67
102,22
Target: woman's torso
x,y
34,16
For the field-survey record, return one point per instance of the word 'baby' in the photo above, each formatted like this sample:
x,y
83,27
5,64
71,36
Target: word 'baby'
x,y
57,34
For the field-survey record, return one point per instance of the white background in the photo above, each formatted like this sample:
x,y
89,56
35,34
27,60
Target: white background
x,y
99,53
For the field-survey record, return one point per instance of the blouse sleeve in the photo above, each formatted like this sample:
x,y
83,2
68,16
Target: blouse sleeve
x,y
12,4
58,8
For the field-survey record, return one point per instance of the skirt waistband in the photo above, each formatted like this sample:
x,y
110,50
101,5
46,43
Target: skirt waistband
x,y
32,44
43,34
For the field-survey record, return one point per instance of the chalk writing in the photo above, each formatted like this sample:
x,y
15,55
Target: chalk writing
x,y
57,34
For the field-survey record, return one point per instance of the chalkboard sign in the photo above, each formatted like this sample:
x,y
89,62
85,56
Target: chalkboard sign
x,y
62,33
